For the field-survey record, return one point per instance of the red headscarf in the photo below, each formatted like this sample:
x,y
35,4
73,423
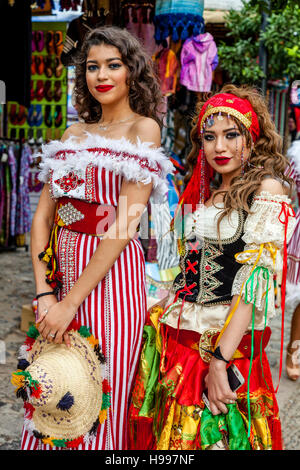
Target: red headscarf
x,y
223,103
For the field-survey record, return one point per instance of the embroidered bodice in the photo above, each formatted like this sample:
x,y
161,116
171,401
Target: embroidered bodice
x,y
93,169
208,266
211,273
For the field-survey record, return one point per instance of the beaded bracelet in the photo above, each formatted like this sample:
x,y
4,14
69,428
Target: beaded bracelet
x,y
44,293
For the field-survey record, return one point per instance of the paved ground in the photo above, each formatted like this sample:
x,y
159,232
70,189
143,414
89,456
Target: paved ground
x,y
17,288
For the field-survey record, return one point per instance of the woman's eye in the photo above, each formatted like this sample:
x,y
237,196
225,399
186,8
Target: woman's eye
x,y
114,66
232,135
92,68
208,137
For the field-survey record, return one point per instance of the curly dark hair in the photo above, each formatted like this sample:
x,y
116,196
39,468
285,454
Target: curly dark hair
x,y
145,95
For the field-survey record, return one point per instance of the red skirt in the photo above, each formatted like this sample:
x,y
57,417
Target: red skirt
x,y
167,411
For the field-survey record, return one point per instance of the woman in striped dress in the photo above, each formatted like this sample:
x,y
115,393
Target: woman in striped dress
x,y
98,180
293,274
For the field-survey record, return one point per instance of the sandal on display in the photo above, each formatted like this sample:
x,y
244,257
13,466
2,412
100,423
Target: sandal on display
x,y
58,118
293,373
39,137
33,67
48,66
22,115
58,67
38,118
30,137
57,91
48,116
50,42
40,90
39,64
13,114
32,41
30,116
48,90
39,40
58,42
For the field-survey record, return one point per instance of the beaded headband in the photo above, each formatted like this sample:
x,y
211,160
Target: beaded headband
x,y
232,106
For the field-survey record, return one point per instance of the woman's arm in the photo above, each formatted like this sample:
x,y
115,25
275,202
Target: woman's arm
x,y
109,249
40,231
219,391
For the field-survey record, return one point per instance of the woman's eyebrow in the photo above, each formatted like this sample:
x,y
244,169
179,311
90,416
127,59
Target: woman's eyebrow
x,y
224,130
107,60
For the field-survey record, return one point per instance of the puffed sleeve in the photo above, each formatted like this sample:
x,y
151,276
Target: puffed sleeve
x,y
268,227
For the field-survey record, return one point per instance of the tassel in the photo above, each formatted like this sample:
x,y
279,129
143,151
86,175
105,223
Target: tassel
x,y
36,390
59,442
22,393
66,402
84,331
33,332
75,443
38,435
93,340
105,401
99,354
48,440
105,387
102,416
93,430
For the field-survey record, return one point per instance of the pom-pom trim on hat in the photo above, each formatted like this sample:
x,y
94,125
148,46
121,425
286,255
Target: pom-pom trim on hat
x,y
27,387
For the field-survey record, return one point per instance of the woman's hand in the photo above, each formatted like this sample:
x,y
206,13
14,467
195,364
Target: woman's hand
x,y
52,325
219,391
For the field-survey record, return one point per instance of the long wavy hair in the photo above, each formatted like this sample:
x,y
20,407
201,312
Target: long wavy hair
x,y
145,95
266,159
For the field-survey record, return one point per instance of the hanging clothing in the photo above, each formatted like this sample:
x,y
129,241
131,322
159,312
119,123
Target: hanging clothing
x,y
178,19
138,20
23,211
167,67
167,410
293,272
198,60
89,175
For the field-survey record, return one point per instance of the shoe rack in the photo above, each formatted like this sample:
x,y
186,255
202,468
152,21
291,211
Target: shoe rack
x,y
46,118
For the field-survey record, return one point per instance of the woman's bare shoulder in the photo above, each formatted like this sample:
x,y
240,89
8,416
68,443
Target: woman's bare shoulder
x,y
146,129
75,130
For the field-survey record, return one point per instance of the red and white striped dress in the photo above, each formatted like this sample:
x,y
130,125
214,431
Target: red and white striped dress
x,y
293,272
116,309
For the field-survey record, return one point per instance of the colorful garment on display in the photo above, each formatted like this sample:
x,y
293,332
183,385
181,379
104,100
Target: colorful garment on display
x,y
86,177
138,19
293,273
167,66
198,60
23,211
178,19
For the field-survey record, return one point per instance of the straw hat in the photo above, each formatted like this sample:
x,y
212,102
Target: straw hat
x,y
63,389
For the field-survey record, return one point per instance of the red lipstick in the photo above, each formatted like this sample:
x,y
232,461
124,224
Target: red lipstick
x,y
104,88
222,160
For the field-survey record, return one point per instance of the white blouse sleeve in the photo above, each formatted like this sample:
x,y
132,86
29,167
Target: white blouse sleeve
x,y
264,234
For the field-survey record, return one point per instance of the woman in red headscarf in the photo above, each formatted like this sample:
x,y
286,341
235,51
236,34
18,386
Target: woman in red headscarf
x,y
204,380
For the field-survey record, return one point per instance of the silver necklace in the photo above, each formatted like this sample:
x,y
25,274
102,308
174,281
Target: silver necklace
x,y
105,127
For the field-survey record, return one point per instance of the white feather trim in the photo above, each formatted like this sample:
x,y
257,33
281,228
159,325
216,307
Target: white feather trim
x,y
122,164
294,153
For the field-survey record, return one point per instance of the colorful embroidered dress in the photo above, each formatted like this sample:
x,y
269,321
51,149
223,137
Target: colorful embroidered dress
x,y
93,171
167,410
